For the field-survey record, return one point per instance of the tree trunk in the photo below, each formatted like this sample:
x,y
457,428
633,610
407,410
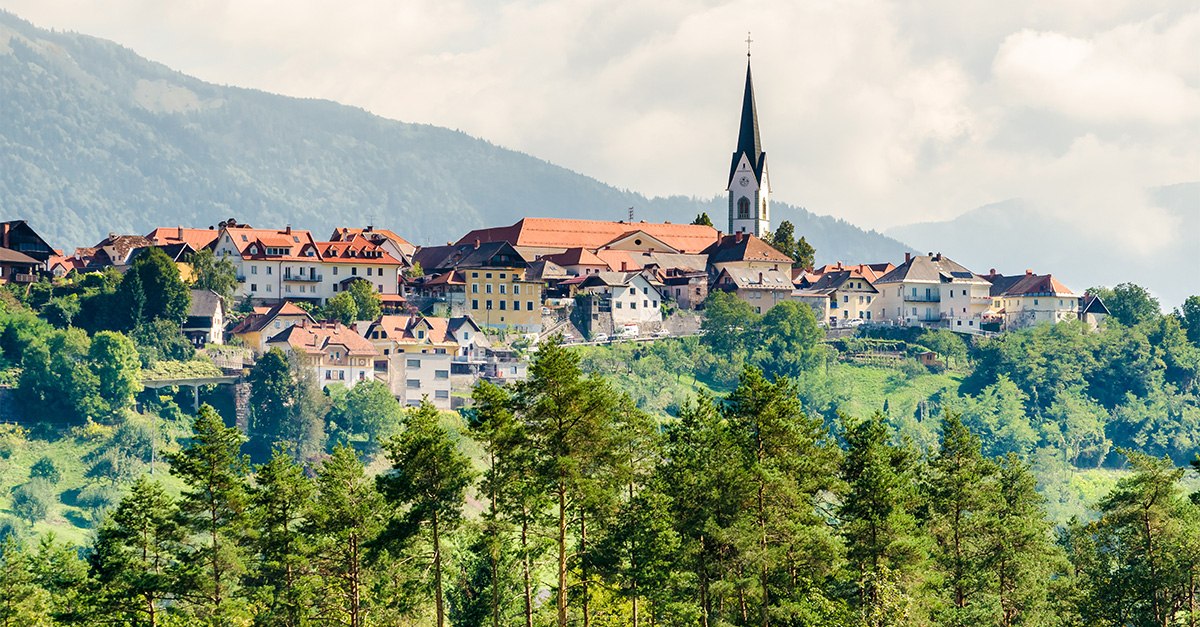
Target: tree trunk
x,y
525,566
583,552
437,571
562,549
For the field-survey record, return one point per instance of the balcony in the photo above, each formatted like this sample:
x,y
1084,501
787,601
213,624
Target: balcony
x,y
241,278
304,278
24,278
923,298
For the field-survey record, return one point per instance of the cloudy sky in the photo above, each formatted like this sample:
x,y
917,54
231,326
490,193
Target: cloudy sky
x,y
882,113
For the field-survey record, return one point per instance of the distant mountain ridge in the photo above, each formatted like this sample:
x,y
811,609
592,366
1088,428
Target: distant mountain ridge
x,y
1013,236
95,138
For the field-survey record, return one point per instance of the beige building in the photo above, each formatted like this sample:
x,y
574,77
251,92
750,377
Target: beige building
x,y
417,376
762,288
336,354
265,322
1025,300
934,291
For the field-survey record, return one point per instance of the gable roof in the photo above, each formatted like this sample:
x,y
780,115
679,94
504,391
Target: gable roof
x,y
1030,285
1091,304
544,269
402,329
206,303
491,254
319,337
355,250
832,281
259,319
610,279
245,238
11,256
591,234
750,278
119,247
198,239
641,241
931,269
743,247
374,235
576,257
19,236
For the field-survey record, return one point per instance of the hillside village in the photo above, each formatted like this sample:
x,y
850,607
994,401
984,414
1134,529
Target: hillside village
x,y
456,311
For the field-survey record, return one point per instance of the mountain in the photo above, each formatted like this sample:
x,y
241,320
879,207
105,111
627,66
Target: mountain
x,y
1013,236
95,139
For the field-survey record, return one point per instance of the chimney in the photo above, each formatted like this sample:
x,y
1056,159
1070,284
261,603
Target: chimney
x,y
737,237
4,230
839,266
760,277
938,257
1028,272
623,263
180,236
992,272
477,243
288,230
907,257
111,236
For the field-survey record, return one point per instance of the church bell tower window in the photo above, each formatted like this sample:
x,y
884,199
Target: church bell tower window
x,y
743,208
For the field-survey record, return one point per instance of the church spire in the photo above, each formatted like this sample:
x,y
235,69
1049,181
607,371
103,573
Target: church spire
x,y
749,186
749,142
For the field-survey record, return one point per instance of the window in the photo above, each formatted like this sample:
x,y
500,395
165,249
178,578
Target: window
x,y
369,269
441,393
441,374
488,288
380,290
474,275
503,305
488,304
413,363
420,334
512,370
276,324
288,288
342,375
474,304
354,271
268,285
516,289
474,288
503,275
269,269
743,208
845,299
253,269
633,305
487,275
502,288
528,305
335,271
413,383
618,304
328,374
677,291
645,303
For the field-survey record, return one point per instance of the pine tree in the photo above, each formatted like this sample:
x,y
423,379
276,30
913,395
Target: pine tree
x,y
213,508
790,459
568,418
23,603
877,521
348,515
135,558
960,492
1022,556
280,501
429,481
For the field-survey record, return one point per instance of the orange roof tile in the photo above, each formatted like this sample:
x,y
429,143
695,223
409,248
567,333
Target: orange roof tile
x,y
619,260
196,238
592,234
318,337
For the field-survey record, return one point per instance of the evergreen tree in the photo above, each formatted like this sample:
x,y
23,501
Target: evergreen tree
x,y
960,491
153,281
429,481
881,532
212,508
346,517
23,603
702,220
789,460
134,562
1022,557
280,501
568,418
806,255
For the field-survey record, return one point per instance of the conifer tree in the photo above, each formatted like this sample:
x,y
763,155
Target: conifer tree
x,y
789,459
348,514
960,492
280,501
23,603
1022,557
429,481
877,513
213,508
135,559
568,418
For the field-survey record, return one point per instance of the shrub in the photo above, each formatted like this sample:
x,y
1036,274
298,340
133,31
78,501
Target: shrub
x,y
9,527
134,437
12,437
31,501
98,500
113,466
45,469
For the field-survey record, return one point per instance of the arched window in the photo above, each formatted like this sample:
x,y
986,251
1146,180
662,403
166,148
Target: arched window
x,y
764,211
743,208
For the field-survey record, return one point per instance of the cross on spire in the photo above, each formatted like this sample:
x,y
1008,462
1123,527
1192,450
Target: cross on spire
x,y
748,42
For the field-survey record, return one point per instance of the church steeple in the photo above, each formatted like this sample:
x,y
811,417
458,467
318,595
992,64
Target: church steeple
x,y
749,185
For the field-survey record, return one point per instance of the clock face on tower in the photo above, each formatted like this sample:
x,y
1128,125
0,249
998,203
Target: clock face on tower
x,y
745,180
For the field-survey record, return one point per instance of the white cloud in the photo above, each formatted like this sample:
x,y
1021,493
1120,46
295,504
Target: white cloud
x,y
880,112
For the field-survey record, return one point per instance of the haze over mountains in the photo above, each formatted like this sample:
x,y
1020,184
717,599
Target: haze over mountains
x,y
96,139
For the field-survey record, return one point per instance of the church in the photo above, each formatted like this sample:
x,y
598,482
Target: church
x,y
749,185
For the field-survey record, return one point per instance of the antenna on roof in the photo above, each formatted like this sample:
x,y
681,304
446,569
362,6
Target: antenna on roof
x,y
631,214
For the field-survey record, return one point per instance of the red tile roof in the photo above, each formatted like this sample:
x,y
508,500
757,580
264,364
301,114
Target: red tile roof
x,y
619,260
196,238
297,242
576,257
355,251
739,247
591,234
262,317
403,329
319,337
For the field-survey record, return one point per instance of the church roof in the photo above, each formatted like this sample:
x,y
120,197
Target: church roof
x,y
749,141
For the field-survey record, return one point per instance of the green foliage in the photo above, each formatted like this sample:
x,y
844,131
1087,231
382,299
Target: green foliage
x,y
115,362
342,308
152,290
729,322
162,339
1127,303
44,468
366,300
287,406
414,271
31,500
370,410
703,219
211,273
1189,317
791,341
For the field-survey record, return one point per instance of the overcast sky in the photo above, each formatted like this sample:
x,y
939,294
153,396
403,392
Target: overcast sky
x,y
882,113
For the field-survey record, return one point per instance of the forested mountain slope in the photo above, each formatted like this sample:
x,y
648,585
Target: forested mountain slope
x,y
96,139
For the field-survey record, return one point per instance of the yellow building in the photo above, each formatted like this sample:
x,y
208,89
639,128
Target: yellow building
x,y
266,322
502,298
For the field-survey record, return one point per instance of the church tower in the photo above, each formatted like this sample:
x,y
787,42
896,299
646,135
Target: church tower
x,y
749,186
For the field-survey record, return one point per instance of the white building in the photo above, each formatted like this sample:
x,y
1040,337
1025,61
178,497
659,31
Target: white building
x,y
934,291
634,299
336,354
749,184
1025,300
